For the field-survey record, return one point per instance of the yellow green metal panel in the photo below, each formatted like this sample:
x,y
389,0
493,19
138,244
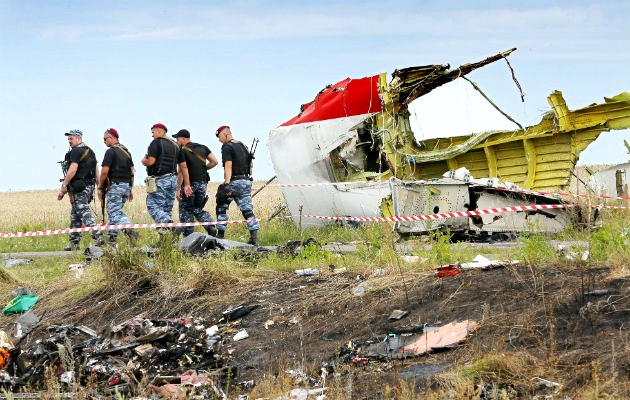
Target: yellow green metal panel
x,y
541,156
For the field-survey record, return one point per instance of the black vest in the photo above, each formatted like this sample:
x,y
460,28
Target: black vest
x,y
120,170
166,162
241,159
87,164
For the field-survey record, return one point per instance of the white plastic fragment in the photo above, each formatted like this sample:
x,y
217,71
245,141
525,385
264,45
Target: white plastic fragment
x,y
77,270
67,377
213,330
307,272
240,335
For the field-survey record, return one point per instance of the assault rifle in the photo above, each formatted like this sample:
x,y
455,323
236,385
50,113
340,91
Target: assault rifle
x,y
252,151
104,194
64,170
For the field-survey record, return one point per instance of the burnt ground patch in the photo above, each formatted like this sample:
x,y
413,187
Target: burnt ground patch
x,y
560,323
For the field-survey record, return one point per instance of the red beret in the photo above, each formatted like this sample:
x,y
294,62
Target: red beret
x,y
112,132
222,127
161,126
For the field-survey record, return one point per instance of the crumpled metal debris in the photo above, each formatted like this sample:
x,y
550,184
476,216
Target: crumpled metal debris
x,y
400,346
26,323
168,353
12,262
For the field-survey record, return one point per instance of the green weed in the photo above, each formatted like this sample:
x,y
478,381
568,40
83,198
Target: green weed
x,y
535,249
610,244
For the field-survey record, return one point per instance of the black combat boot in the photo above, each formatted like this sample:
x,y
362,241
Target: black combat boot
x,y
212,230
72,247
99,240
220,234
133,235
253,238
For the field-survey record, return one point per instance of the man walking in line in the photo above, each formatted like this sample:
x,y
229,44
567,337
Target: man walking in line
x,y
82,170
116,182
199,159
162,159
237,183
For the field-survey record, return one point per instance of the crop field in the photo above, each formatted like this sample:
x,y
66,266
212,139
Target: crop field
x,y
40,210
553,324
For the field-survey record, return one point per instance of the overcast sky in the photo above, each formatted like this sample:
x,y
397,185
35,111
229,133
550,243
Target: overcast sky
x,y
92,65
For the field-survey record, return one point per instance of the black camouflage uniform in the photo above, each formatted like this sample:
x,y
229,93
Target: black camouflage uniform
x,y
81,191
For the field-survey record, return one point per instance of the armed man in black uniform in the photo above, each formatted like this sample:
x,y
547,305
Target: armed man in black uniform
x,y
162,159
115,184
79,183
199,159
237,183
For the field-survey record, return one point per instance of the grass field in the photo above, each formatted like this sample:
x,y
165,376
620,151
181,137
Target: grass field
x,y
40,210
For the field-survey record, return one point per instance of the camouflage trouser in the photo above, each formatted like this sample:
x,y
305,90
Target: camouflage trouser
x,y
117,196
192,207
81,215
242,194
160,203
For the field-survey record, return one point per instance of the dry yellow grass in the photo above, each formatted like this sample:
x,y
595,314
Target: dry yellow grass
x,y
41,210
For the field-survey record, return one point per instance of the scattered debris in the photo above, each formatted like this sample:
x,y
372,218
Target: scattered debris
x,y
20,304
447,270
181,386
294,247
307,272
479,262
379,272
397,314
26,323
547,383
360,289
12,262
76,270
92,253
441,338
242,334
336,270
232,314
304,394
410,259
198,243
5,347
166,352
598,292
20,291
433,339
572,255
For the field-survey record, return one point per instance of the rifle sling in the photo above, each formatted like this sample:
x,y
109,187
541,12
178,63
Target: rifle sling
x,y
196,155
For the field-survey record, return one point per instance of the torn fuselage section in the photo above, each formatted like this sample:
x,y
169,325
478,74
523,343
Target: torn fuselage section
x,y
440,197
337,156
360,157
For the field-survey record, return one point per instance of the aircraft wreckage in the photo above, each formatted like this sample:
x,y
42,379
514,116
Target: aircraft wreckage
x,y
354,142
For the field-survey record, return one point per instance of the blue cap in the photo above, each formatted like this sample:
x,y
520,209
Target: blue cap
x,y
74,132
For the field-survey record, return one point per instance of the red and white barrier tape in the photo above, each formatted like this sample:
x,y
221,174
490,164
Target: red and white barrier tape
x,y
360,219
120,226
613,207
445,215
